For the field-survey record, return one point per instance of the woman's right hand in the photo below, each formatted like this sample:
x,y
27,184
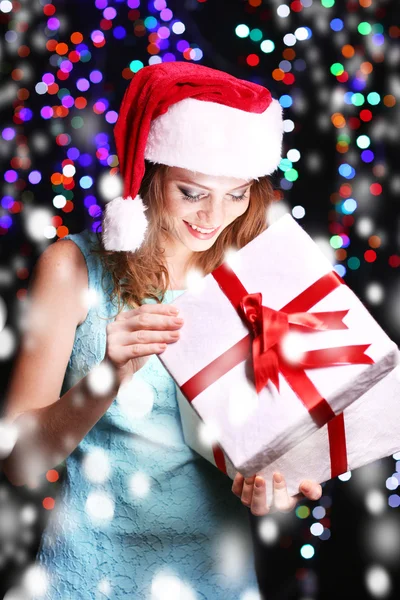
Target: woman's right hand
x,y
137,334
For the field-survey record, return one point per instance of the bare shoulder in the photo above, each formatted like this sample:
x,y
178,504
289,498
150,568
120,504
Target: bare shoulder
x,y
63,263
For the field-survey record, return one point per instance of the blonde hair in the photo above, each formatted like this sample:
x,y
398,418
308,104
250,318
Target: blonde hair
x,y
143,273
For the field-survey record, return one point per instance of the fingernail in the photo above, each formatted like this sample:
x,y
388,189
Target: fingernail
x,y
259,482
305,488
173,310
278,477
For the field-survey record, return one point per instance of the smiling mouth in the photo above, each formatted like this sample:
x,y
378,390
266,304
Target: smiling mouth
x,y
201,229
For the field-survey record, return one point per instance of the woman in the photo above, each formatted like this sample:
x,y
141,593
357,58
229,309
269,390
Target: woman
x,y
141,515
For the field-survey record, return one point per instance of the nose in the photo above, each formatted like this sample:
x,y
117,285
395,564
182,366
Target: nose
x,y
212,213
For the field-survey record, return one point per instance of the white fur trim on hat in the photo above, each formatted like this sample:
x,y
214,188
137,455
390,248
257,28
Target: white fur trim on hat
x,y
216,139
124,224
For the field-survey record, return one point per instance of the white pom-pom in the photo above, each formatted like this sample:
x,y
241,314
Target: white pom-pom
x,y
124,224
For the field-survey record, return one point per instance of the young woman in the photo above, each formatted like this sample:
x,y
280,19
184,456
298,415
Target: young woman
x,y
140,515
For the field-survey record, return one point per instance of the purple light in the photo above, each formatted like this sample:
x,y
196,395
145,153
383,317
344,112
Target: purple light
x,y
96,76
7,202
82,48
85,160
109,13
119,32
182,45
96,227
367,156
100,107
100,4
34,177
25,114
111,116
82,84
169,57
133,3
89,201
11,176
104,102
394,500
101,139
102,153
66,66
163,33
95,210
67,101
8,134
166,14
73,153
163,44
358,84
5,221
46,112
48,78
97,36
53,23
159,4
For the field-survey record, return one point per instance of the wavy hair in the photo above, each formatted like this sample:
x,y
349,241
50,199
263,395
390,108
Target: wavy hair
x,y
143,273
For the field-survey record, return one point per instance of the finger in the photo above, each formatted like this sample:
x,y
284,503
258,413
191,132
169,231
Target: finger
x,y
259,504
162,309
311,489
144,336
237,486
247,492
281,499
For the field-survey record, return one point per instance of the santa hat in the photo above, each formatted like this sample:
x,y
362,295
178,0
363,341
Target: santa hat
x,y
194,117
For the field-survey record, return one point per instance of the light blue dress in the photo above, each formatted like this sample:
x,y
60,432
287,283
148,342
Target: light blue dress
x,y
140,515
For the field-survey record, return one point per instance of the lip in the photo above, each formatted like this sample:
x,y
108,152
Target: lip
x,y
201,236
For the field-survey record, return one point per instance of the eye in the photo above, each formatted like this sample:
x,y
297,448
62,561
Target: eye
x,y
190,198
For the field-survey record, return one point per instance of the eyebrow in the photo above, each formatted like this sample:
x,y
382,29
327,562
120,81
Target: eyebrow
x,y
203,187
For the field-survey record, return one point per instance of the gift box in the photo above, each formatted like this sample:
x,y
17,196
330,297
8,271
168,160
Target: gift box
x,y
366,431
274,345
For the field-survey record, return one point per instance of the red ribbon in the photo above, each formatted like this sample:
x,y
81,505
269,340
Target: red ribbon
x,y
268,329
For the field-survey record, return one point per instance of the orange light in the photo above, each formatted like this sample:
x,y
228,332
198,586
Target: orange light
x,y
52,475
76,37
338,120
278,74
48,503
374,241
389,100
61,49
57,178
62,231
348,51
366,68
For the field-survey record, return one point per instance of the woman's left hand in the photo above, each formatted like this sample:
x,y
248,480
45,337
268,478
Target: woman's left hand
x,y
253,493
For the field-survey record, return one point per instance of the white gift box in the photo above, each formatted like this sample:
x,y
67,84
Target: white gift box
x,y
283,264
366,431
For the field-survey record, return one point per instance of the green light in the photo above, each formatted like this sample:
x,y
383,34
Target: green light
x,y
291,175
150,22
136,65
302,512
77,122
328,3
242,31
357,99
353,263
337,69
63,92
285,164
377,28
363,141
256,35
343,137
336,242
85,56
364,28
373,98
267,46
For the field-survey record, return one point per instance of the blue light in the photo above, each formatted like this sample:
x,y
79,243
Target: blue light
x,y
346,171
378,39
358,84
340,270
337,24
285,101
347,97
349,206
86,182
119,32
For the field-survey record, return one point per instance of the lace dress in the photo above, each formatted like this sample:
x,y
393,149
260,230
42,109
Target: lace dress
x,y
140,515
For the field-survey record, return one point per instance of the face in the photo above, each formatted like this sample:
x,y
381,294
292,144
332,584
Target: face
x,y
208,202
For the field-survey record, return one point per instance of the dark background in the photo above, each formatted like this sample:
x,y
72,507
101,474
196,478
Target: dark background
x,y
360,538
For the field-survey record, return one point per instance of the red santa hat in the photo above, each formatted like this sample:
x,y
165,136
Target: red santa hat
x,y
194,117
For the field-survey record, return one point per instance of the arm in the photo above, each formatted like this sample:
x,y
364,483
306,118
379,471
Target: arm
x,y
50,427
